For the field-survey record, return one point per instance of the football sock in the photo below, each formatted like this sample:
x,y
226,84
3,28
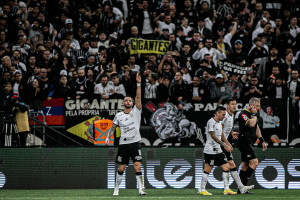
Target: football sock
x,y
119,178
225,176
203,180
236,177
243,177
139,179
249,172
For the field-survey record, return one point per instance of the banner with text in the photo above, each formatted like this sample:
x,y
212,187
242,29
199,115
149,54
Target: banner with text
x,y
232,68
164,124
162,168
148,46
79,121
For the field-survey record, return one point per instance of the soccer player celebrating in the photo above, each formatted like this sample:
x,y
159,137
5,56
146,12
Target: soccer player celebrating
x,y
213,154
227,130
249,132
129,145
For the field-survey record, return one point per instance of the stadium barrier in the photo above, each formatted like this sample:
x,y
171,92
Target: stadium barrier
x,y
92,168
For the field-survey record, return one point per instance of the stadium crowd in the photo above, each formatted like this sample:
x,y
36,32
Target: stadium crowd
x,y
81,49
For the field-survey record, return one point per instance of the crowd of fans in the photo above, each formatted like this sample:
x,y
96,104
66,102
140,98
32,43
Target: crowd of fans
x,y
81,49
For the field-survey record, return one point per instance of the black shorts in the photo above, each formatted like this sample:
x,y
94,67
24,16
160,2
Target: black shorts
x,y
126,151
215,159
227,154
247,151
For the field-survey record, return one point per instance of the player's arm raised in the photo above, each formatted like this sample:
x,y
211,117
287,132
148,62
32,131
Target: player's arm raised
x,y
111,132
138,102
216,139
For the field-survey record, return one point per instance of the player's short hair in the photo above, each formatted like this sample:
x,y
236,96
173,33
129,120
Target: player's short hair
x,y
230,100
220,108
129,97
253,100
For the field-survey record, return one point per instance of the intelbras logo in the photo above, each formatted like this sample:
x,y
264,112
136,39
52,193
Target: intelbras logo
x,y
180,173
2,180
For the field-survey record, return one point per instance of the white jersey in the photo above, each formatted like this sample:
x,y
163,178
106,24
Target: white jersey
x,y
211,146
228,124
129,125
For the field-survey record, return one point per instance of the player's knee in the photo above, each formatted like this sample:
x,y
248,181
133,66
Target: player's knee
x,y
254,163
122,168
244,166
231,165
207,168
137,166
226,167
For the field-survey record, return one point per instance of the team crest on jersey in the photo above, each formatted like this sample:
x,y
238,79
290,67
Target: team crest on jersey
x,y
103,126
169,122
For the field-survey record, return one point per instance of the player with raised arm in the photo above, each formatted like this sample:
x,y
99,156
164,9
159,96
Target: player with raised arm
x,y
129,145
213,153
249,132
227,123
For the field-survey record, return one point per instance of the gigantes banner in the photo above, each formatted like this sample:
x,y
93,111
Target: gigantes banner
x,y
148,46
164,124
173,167
79,120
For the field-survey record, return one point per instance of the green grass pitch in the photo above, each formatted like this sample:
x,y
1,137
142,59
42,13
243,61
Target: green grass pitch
x,y
163,194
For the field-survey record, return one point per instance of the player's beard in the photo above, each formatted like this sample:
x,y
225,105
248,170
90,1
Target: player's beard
x,y
127,107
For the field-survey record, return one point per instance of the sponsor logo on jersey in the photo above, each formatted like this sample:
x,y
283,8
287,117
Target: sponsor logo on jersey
x,y
245,117
138,157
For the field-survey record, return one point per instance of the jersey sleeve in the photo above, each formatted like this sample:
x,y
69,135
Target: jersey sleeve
x,y
136,109
224,121
116,121
244,118
210,127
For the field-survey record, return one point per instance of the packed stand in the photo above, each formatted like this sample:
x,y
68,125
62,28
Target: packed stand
x,y
81,50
